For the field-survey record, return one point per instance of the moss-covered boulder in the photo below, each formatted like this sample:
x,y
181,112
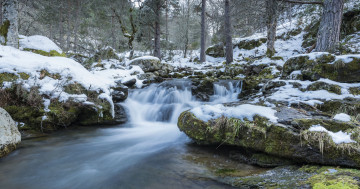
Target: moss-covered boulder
x,y
250,44
323,65
9,134
147,63
105,54
44,53
203,88
332,88
216,50
291,138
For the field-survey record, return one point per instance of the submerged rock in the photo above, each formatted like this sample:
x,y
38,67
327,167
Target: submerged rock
x,y
9,134
291,137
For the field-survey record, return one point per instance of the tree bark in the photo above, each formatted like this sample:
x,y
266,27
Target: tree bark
x,y
10,33
157,52
76,28
228,37
203,32
68,32
271,22
328,36
61,27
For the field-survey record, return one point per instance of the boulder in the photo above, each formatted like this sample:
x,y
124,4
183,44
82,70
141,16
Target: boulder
x,y
129,83
203,88
10,136
323,65
290,137
147,63
119,93
216,50
250,44
105,54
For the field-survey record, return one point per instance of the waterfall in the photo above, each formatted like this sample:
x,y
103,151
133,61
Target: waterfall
x,y
164,102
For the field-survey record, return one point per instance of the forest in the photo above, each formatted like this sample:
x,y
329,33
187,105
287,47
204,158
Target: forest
x,y
179,94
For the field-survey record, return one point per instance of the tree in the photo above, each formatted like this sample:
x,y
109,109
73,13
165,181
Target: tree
x,y
9,28
203,32
328,36
271,23
227,34
130,36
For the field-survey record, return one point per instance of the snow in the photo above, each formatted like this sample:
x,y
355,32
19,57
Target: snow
x,y
294,95
70,72
38,42
248,111
342,117
347,58
338,137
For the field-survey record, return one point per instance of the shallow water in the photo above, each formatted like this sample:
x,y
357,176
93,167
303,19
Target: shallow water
x,y
148,152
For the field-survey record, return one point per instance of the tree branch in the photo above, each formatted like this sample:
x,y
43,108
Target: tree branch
x,y
303,2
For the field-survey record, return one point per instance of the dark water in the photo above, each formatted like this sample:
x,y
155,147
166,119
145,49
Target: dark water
x,y
148,152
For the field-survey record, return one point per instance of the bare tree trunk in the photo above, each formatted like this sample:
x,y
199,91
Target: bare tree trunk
x,y
157,52
228,37
68,32
113,37
167,21
10,29
329,32
203,33
76,28
1,12
186,45
271,22
61,27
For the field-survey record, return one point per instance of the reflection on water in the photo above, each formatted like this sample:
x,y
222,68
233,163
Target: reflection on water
x,y
148,152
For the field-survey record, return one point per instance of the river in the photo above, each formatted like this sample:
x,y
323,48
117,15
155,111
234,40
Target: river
x,y
147,152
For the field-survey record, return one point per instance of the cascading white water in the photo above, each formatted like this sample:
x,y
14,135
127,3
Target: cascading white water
x,y
165,102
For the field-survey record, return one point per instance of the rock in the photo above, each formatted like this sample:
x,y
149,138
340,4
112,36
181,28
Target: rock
x,y
105,54
290,138
147,63
119,93
251,44
323,66
91,115
324,86
216,50
10,136
267,88
129,83
149,78
203,88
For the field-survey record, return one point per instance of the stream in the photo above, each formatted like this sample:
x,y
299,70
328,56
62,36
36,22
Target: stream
x,y
147,152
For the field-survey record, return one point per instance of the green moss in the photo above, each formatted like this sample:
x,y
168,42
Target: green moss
x,y
52,53
7,77
337,178
24,76
4,30
277,58
251,44
354,90
325,86
44,73
31,116
74,88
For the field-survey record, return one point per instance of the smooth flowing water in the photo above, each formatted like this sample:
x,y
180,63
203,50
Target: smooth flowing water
x,y
147,152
